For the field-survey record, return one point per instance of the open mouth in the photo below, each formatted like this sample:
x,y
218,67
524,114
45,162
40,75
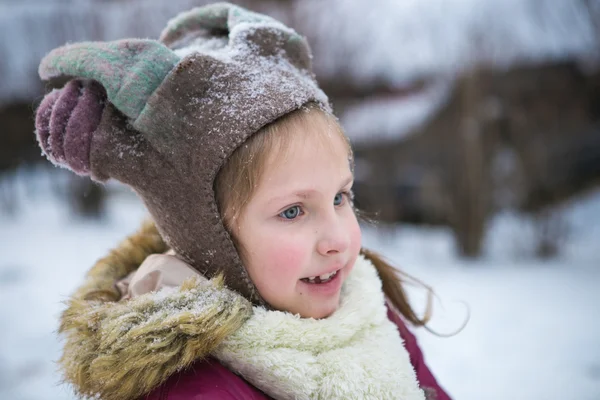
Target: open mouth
x,y
322,278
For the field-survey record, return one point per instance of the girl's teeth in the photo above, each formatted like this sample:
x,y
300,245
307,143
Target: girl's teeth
x,y
325,276
321,279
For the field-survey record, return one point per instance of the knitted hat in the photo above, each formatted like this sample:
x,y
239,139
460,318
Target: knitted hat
x,y
164,116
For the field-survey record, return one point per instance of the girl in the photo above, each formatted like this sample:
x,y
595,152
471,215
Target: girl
x,y
250,281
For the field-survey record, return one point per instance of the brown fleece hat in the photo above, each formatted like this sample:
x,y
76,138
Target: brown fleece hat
x,y
164,116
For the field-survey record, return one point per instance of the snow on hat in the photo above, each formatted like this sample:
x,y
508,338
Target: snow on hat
x,y
164,116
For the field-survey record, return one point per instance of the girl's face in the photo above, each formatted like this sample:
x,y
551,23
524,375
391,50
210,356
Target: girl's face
x,y
299,233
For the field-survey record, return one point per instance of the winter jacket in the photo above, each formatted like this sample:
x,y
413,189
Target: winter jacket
x,y
202,341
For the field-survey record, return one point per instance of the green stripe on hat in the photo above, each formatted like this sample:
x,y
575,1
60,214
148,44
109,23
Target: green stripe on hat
x,y
130,70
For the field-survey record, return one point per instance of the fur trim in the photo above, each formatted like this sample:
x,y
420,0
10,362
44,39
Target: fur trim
x,y
356,353
122,350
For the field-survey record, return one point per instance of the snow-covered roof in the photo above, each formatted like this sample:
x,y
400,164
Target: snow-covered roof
x,y
367,40
389,118
401,40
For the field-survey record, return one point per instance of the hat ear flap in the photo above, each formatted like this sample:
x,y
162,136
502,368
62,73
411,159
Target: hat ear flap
x,y
241,27
129,70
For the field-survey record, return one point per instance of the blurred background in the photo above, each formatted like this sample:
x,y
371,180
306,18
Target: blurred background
x,y
476,127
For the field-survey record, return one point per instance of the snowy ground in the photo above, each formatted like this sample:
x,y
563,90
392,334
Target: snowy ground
x,y
533,333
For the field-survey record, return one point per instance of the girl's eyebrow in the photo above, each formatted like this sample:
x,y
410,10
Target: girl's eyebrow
x,y
349,180
306,194
302,194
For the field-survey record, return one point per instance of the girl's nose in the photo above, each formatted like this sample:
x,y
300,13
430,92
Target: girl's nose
x,y
334,238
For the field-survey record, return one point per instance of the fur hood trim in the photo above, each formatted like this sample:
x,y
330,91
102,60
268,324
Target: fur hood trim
x,y
122,350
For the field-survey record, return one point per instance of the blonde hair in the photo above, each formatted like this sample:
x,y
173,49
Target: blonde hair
x,y
236,181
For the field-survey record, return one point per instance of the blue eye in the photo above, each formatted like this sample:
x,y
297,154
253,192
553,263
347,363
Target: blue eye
x,y
338,199
291,213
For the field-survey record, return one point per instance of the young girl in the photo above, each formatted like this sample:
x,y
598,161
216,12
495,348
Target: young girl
x,y
250,281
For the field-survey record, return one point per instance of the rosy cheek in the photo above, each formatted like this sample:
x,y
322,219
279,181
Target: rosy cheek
x,y
285,260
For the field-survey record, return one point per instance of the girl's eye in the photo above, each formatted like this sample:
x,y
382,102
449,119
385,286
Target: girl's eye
x,y
338,199
291,213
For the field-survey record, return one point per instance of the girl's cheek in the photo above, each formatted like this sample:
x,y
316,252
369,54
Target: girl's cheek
x,y
355,237
286,258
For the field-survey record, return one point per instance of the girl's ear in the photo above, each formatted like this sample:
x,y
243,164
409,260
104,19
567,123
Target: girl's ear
x,y
241,27
129,70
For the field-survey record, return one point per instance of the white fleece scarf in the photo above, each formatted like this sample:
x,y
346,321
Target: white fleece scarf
x,y
356,353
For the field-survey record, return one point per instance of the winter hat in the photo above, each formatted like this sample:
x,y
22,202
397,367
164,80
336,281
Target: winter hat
x,y
164,116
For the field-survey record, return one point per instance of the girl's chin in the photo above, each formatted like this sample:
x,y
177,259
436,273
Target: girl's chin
x,y
321,310
325,314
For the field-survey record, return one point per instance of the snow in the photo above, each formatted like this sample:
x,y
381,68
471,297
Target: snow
x,y
533,328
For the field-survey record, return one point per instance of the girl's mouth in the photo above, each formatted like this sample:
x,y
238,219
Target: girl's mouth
x,y
321,279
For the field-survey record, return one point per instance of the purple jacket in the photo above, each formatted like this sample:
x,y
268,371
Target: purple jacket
x,y
209,379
